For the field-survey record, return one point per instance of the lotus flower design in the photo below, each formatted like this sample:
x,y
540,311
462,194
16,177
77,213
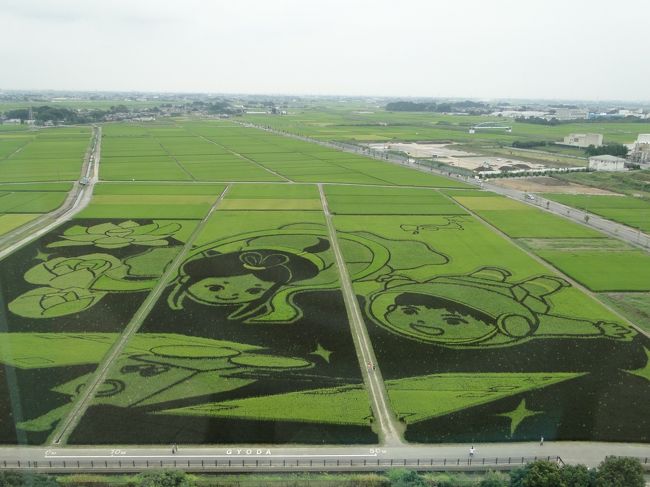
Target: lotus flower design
x,y
116,236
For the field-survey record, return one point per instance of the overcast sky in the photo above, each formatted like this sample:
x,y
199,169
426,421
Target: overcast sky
x,y
563,49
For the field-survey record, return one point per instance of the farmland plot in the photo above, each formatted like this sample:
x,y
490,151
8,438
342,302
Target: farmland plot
x,y
249,343
628,210
66,298
477,341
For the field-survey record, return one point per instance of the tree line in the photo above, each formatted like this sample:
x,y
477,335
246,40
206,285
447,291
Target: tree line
x,y
442,107
612,472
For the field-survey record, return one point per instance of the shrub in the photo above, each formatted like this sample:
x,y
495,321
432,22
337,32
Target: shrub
x,y
494,479
20,479
578,476
164,478
406,478
620,472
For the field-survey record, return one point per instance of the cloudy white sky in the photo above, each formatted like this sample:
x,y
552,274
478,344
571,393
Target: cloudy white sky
x,y
563,49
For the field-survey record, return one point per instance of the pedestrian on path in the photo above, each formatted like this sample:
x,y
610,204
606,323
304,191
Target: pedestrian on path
x,y
541,441
472,451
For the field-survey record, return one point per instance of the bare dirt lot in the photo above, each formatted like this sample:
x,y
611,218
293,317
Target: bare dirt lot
x,y
545,184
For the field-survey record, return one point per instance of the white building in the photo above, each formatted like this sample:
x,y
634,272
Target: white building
x,y
606,163
641,149
583,140
569,114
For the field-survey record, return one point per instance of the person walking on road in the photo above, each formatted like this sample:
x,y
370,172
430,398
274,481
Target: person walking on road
x,y
472,451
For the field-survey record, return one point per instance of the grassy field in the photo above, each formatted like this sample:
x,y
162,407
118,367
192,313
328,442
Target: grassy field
x,y
628,210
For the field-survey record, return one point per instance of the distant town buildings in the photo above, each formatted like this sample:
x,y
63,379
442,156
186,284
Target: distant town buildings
x,y
583,140
606,163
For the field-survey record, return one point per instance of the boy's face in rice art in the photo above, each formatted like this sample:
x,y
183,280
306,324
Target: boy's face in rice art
x,y
433,322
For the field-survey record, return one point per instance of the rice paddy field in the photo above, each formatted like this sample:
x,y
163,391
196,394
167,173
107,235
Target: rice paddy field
x,y
374,124
628,210
36,171
224,151
206,246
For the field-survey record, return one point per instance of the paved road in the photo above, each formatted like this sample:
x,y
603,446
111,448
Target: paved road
x,y
389,429
264,458
76,201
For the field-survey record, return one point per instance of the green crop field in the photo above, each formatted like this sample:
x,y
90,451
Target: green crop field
x,y
114,200
22,203
474,304
473,335
628,210
604,271
385,201
280,359
518,220
380,125
634,306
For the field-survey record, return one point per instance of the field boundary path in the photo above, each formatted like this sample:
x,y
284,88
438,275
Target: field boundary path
x,y
369,367
241,156
67,424
266,458
616,230
77,199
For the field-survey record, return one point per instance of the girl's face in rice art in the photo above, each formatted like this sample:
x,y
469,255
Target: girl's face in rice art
x,y
243,288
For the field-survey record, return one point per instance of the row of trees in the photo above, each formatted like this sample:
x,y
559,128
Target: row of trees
x,y
467,106
46,113
613,472
613,149
530,144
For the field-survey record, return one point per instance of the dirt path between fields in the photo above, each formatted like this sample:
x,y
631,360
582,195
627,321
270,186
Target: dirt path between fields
x,y
389,428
